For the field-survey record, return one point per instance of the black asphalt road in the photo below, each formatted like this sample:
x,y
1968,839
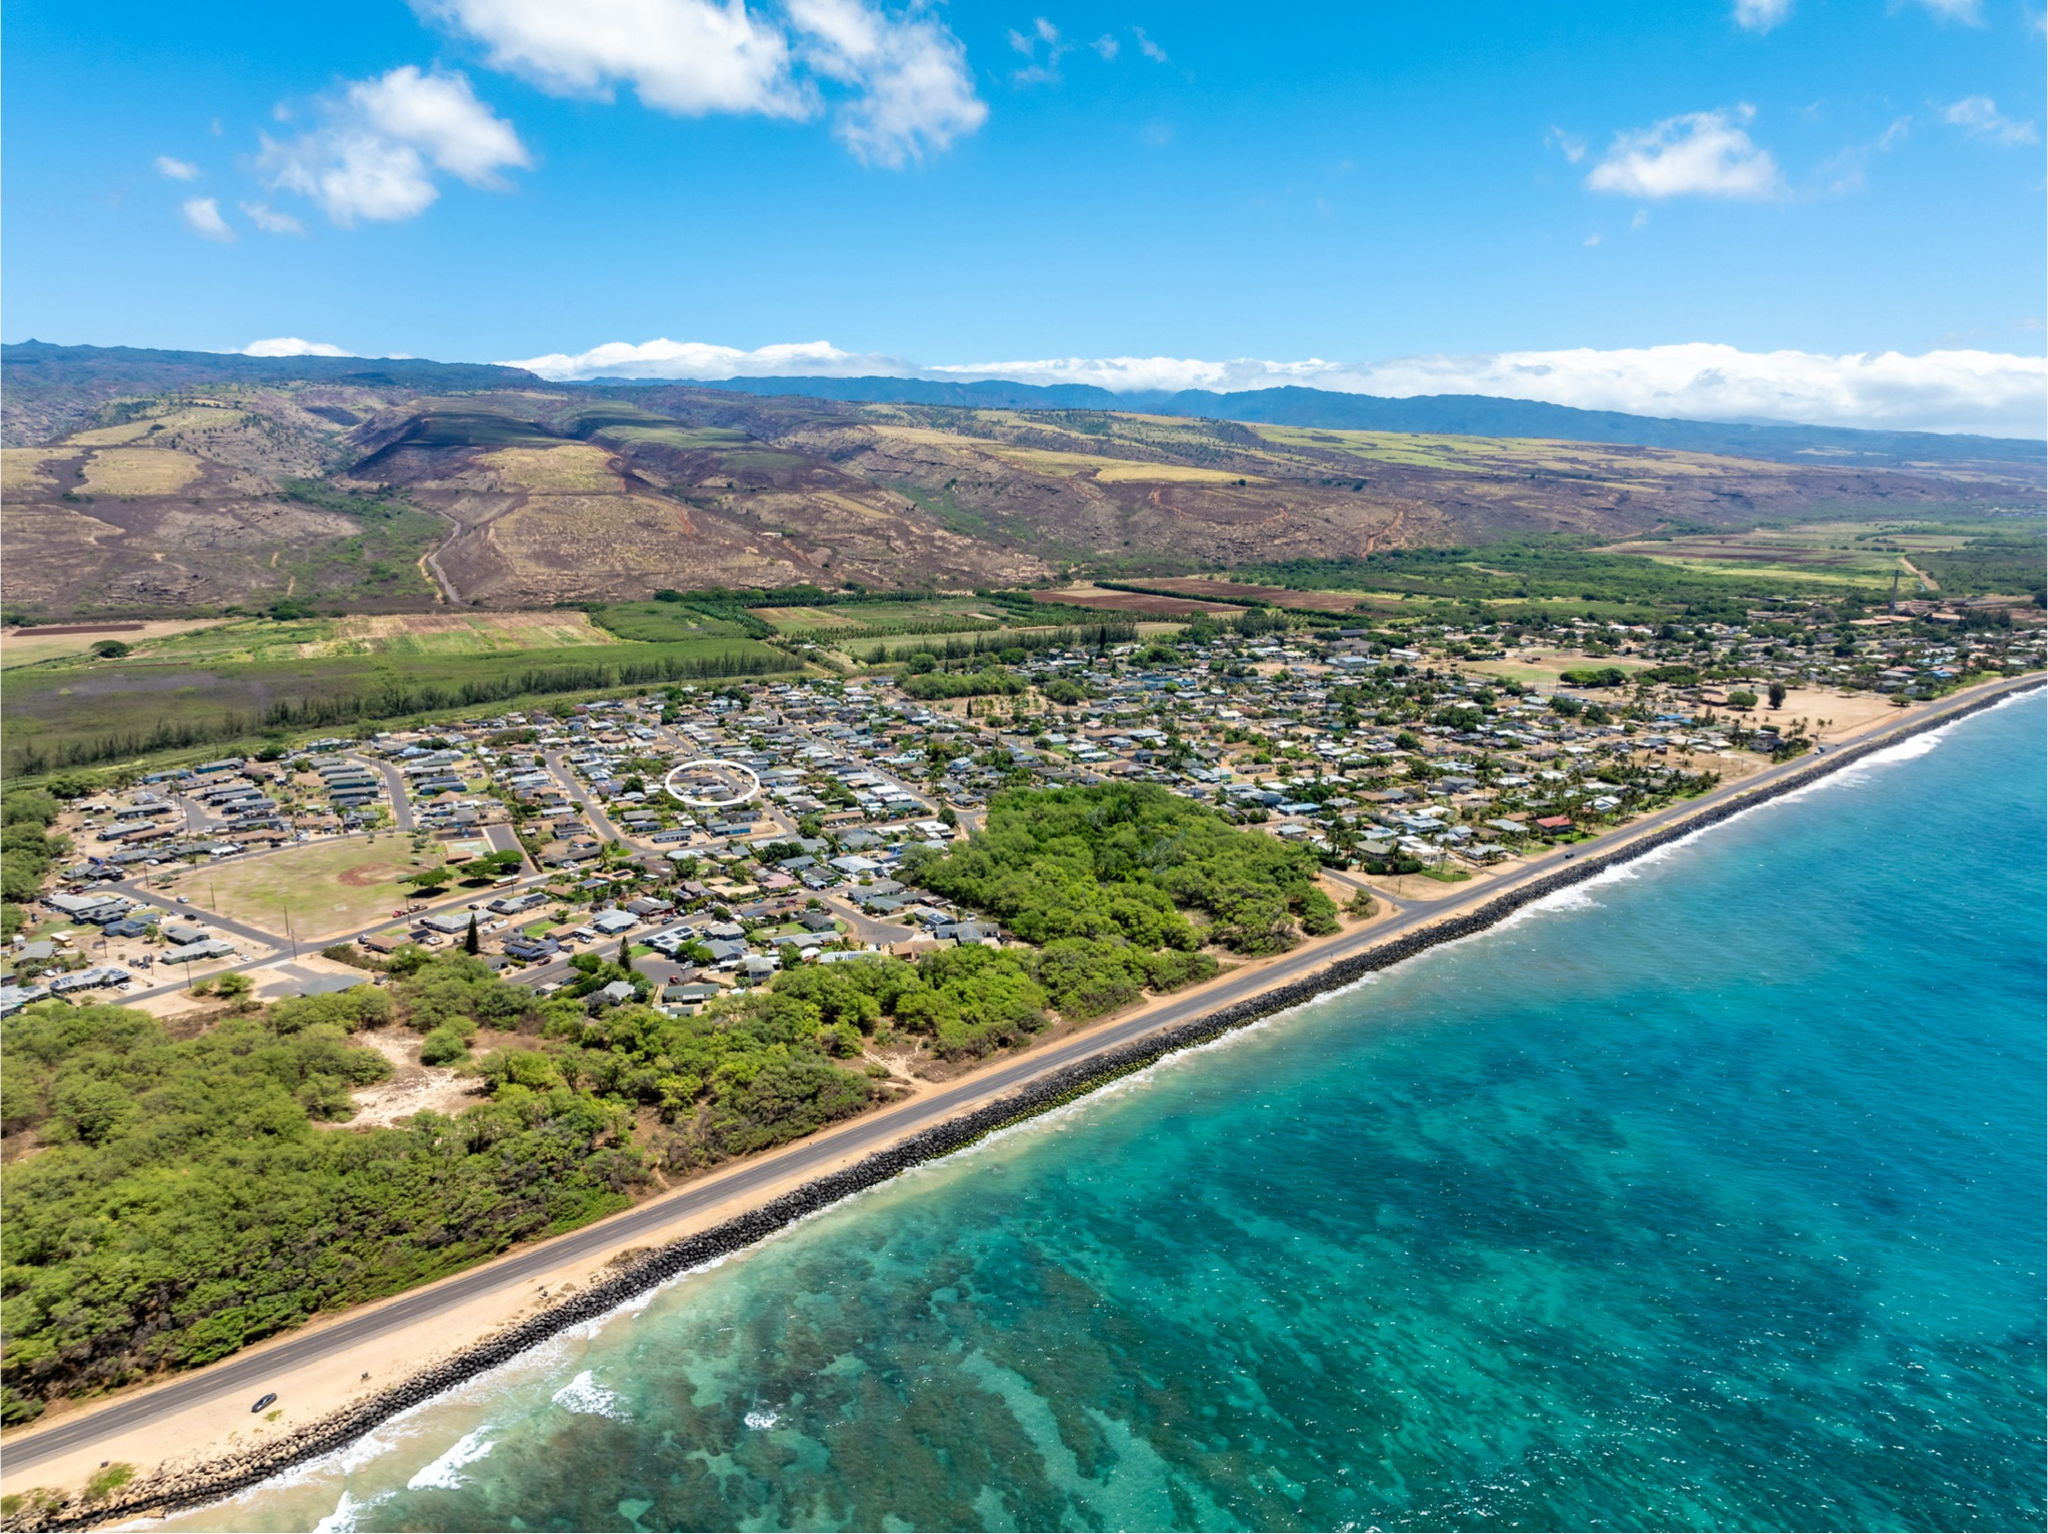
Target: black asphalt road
x,y
394,787
252,1374
593,811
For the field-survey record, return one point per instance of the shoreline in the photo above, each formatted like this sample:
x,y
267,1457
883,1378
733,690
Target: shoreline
x,y
1048,1086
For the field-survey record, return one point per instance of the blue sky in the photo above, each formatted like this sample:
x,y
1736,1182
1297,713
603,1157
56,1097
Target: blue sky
x,y
1054,182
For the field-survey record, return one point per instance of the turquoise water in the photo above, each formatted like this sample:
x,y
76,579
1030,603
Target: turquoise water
x,y
1707,1196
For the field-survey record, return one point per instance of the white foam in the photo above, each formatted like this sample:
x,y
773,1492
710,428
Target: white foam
x,y
584,1396
1578,897
343,1519
761,1419
445,1473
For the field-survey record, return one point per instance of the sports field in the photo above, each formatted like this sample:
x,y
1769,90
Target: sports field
x,y
324,887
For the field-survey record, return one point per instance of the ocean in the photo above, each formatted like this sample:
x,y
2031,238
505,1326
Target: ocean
x,y
1706,1195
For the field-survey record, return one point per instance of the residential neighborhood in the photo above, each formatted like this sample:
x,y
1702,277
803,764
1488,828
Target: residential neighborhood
x,y
679,844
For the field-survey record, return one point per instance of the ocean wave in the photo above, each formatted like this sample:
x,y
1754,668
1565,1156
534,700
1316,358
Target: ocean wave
x,y
343,1519
1579,896
584,1396
445,1473
762,1418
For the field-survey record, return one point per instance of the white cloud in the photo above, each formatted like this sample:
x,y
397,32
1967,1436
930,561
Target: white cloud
x,y
269,220
376,151
701,360
912,90
1969,12
1976,391
1571,145
1848,170
683,56
202,216
176,170
1761,15
1954,390
1107,46
440,116
1697,154
292,346
1979,117
1146,46
1041,70
901,80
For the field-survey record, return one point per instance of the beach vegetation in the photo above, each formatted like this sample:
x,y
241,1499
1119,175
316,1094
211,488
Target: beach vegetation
x,y
108,1479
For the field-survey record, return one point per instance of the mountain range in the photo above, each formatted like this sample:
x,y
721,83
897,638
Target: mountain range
x,y
142,481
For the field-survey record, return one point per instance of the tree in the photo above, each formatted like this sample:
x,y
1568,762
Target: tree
x,y
112,649
470,940
233,986
1777,691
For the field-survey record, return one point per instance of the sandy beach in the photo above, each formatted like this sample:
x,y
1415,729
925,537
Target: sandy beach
x,y
408,1332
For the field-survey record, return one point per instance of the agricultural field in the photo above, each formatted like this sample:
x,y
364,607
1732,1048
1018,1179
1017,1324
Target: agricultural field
x,y
876,619
72,712
1961,558
657,622
1100,599
799,620
32,646
323,887
1219,589
248,640
1856,552
460,633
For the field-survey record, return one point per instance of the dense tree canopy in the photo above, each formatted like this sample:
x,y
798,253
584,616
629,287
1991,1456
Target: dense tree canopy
x,y
186,1201
1129,861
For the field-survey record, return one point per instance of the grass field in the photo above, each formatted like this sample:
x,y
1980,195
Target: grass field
x,y
442,634
29,647
571,469
1544,670
324,887
1839,552
1040,460
1204,588
1494,455
460,633
797,620
140,471
62,705
658,622
1099,599
877,618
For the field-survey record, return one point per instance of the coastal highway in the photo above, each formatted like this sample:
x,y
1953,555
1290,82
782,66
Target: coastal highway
x,y
249,1374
